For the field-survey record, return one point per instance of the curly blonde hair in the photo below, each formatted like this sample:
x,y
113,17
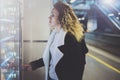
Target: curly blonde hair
x,y
69,20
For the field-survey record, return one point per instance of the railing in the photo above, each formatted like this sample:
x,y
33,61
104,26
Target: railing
x,y
106,38
111,18
6,39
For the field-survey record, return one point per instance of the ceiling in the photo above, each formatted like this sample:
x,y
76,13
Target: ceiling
x,y
79,6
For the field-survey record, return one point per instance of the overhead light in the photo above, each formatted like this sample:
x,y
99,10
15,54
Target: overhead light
x,y
81,18
111,14
71,1
117,18
119,13
108,1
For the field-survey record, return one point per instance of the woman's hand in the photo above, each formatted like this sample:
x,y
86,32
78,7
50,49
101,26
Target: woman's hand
x,y
27,67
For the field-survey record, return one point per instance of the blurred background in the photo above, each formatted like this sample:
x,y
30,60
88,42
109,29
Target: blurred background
x,y
24,31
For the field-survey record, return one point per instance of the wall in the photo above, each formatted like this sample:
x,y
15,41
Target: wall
x,y
34,30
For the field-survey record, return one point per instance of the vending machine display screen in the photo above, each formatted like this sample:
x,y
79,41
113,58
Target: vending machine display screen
x,y
10,40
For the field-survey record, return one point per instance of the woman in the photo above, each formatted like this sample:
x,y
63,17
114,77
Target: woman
x,y
64,55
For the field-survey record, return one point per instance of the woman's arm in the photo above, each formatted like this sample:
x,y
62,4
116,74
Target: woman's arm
x,y
37,64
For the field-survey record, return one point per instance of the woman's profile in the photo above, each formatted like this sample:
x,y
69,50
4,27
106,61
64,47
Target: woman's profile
x,y
64,55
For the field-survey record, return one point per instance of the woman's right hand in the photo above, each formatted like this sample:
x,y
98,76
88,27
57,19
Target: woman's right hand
x,y
27,67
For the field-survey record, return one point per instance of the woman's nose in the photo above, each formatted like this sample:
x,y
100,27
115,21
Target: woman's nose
x,y
49,17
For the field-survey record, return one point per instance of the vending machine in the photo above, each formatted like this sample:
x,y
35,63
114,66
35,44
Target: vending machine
x,y
10,40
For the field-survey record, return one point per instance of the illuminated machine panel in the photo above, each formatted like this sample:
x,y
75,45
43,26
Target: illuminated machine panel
x,y
10,43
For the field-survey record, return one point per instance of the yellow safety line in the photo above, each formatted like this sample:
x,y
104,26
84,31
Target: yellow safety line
x,y
104,63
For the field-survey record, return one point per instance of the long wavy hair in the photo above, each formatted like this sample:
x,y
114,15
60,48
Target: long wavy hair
x,y
68,20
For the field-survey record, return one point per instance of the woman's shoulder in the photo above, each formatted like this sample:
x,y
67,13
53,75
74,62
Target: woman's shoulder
x,y
70,38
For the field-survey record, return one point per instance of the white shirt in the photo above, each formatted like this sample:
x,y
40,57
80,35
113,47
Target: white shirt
x,y
55,53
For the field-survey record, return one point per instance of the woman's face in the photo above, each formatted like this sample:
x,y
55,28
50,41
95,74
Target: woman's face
x,y
53,18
